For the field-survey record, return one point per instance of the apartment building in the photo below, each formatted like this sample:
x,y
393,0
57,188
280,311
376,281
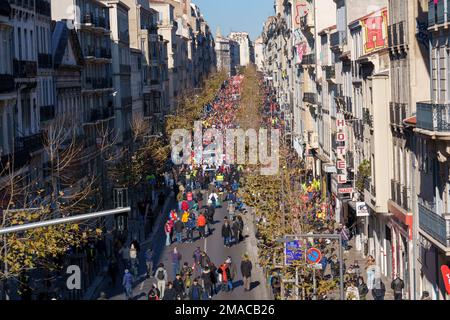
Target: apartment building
x,y
259,53
431,152
227,54
167,28
245,47
8,94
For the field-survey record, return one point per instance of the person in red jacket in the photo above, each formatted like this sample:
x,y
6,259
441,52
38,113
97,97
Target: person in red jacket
x,y
201,223
184,205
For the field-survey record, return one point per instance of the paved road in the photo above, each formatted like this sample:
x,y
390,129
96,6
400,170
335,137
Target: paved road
x,y
214,247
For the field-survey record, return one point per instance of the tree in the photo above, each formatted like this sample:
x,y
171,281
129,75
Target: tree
x,y
66,189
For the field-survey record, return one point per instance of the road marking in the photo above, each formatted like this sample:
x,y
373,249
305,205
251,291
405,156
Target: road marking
x,y
204,246
142,286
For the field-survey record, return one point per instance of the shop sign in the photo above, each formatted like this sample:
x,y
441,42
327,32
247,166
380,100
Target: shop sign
x,y
345,190
362,210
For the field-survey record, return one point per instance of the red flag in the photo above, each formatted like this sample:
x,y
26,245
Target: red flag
x,y
436,1
446,275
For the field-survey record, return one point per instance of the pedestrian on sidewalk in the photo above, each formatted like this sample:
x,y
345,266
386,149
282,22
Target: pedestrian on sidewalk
x,y
345,234
154,293
207,284
168,226
186,274
176,258
226,233
362,288
213,273
209,214
275,283
196,291
199,198
179,226
127,283
201,223
170,293
398,285
233,272
178,285
113,270
134,261
161,278
236,228
190,226
224,276
149,262
231,210
379,291
352,292
205,261
125,252
246,270
241,227
197,255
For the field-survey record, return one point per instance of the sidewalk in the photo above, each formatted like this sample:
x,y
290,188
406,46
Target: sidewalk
x,y
354,255
101,282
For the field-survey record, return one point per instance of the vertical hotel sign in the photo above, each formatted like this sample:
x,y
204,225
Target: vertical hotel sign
x,y
341,164
375,30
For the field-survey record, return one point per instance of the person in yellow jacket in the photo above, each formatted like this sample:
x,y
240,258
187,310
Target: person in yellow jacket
x,y
185,217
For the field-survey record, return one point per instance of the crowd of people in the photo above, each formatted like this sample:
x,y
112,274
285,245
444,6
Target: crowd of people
x,y
200,188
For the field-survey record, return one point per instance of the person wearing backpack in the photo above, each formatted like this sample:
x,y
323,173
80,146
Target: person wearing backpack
x,y
161,278
201,223
224,272
209,214
196,291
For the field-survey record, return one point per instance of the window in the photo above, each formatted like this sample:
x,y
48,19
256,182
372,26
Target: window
x,y
19,43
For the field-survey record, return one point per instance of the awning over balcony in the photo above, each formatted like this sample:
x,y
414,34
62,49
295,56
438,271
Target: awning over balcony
x,y
411,121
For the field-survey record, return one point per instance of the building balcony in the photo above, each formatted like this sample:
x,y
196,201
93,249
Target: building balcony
x,y
100,114
398,113
438,13
25,69
397,35
26,4
307,22
45,61
103,83
5,8
43,8
338,38
330,73
370,193
367,117
47,113
6,83
309,59
90,19
433,116
31,143
310,97
433,224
